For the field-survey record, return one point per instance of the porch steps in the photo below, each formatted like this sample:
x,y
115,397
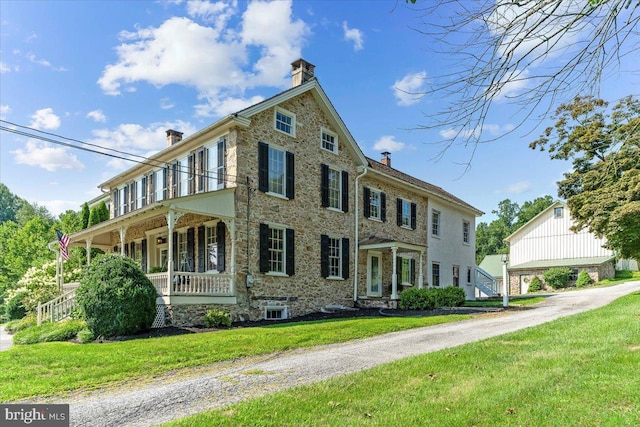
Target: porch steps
x,y
486,283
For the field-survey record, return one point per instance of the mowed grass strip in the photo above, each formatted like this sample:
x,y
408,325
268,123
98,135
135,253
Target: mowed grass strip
x,y
47,369
581,370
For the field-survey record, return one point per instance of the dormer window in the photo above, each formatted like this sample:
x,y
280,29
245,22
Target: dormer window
x,y
285,121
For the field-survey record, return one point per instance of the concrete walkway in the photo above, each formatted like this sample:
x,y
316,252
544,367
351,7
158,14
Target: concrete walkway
x,y
6,340
215,386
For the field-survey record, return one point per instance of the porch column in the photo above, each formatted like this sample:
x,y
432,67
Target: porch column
x,y
172,218
420,280
394,274
232,232
123,235
89,240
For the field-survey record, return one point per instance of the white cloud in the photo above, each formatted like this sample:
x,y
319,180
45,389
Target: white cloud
x,y
45,119
4,111
408,89
513,85
56,207
4,68
353,35
97,115
166,104
519,187
212,58
225,106
137,139
47,157
388,143
32,57
488,128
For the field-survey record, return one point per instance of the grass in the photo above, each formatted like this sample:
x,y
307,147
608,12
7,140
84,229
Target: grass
x,y
580,370
513,301
621,277
47,332
56,368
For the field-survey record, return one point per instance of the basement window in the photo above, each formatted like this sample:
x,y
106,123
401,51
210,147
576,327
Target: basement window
x,y
275,313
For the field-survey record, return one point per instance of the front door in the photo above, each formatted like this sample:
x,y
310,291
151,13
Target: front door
x,y
374,274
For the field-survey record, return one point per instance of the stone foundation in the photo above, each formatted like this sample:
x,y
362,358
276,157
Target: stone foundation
x,y
191,315
378,303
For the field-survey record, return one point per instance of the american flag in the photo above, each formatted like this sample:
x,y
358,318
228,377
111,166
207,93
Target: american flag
x,y
63,241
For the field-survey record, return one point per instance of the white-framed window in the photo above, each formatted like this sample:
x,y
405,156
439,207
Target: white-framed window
x,y
140,195
160,184
329,140
123,194
211,240
406,213
558,212
375,205
183,176
466,231
456,276
285,121
407,270
276,250
435,274
183,257
277,170
275,313
215,165
435,222
137,253
335,257
335,189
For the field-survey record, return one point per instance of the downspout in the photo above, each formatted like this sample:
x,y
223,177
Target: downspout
x,y
356,250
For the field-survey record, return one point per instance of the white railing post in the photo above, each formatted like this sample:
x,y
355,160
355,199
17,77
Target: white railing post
x,y
39,314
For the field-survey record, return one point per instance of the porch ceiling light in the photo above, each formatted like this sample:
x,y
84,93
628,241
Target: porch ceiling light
x,y
159,240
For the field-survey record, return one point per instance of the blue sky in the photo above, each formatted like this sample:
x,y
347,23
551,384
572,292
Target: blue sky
x,y
118,74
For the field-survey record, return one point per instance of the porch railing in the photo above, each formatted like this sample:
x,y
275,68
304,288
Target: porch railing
x,y
486,283
160,281
186,283
58,308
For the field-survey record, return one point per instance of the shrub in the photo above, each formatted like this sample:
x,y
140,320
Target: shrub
x,y
535,285
217,319
430,298
583,279
115,297
557,277
15,308
85,336
18,325
47,332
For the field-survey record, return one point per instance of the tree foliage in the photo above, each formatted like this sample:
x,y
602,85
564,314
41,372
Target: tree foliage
x,y
98,214
84,215
603,189
529,54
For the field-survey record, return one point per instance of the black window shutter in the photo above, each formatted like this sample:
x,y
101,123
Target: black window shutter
x,y
413,215
291,252
220,237
175,251
191,246
324,185
264,248
383,207
399,269
345,258
366,202
290,179
143,248
263,167
222,171
143,196
324,255
399,211
202,250
345,191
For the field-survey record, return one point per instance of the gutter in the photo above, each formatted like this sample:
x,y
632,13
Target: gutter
x,y
356,250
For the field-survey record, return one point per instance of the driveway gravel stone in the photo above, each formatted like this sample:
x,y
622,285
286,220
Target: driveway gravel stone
x,y
219,385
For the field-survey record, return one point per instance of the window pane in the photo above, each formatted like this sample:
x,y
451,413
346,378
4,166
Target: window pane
x,y
374,205
435,223
334,189
276,171
334,258
212,249
328,142
160,185
276,250
406,213
283,122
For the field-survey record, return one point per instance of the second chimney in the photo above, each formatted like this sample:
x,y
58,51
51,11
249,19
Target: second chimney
x,y
386,160
173,137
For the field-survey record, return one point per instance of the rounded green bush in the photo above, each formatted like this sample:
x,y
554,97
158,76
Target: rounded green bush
x,y
217,319
430,298
535,285
557,277
583,279
115,297
15,308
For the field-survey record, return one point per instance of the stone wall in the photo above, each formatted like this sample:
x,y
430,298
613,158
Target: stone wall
x,y
190,315
519,277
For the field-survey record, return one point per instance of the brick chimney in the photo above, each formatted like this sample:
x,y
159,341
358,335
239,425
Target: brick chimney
x,y
301,72
386,160
173,137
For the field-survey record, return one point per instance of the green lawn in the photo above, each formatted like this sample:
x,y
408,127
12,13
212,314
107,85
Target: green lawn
x,y
581,370
513,301
54,368
621,277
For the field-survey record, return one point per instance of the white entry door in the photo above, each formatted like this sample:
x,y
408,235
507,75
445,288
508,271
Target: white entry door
x,y
374,274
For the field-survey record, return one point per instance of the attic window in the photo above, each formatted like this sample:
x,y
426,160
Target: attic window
x,y
285,121
558,212
329,140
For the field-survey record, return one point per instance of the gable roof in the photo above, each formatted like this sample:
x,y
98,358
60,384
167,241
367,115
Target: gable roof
x,y
555,204
422,185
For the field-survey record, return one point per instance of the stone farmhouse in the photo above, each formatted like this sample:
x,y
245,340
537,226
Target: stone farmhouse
x,y
275,212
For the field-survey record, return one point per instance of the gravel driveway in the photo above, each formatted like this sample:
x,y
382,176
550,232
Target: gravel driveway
x,y
222,384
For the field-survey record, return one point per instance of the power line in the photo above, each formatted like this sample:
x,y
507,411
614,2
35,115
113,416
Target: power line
x,y
103,150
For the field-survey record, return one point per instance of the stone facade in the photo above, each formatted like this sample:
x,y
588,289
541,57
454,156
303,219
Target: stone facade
x,y
519,280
